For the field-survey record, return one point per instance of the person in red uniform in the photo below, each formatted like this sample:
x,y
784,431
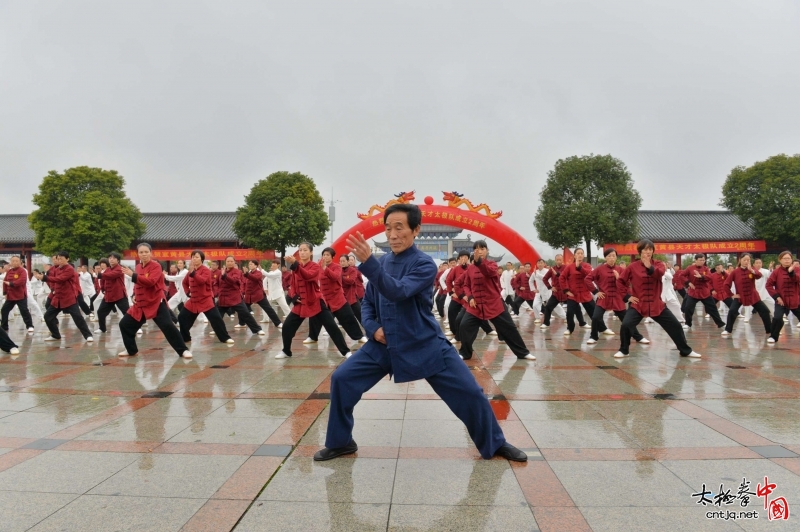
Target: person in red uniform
x,y
330,284
456,304
215,275
15,287
113,284
349,275
305,294
62,279
578,291
609,296
784,287
552,280
700,286
360,289
721,292
643,279
254,292
521,283
678,283
197,285
744,277
148,304
172,288
483,302
439,296
230,296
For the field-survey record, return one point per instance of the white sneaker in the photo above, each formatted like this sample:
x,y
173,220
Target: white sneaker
x,y
514,316
363,340
460,356
229,341
237,326
453,341
644,341
186,354
648,320
725,334
543,326
587,326
30,329
261,332
51,339
309,341
537,320
348,355
123,354
694,354
233,317
265,320
620,354
212,333
686,327
493,333
609,332
139,332
770,340
14,351
567,333
280,326
281,355
448,333
747,320
501,342
530,357
707,316
90,339
98,331
591,341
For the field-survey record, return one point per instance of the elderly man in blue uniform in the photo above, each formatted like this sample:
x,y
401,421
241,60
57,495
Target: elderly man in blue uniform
x,y
406,341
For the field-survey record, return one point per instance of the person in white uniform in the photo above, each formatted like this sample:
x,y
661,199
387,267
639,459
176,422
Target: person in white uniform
x,y
505,283
541,290
761,288
87,285
273,285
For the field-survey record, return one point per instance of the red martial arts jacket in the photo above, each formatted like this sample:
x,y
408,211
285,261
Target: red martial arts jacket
x,y
785,285
677,281
230,288
215,275
521,283
286,280
718,282
349,284
745,285
172,289
702,284
305,285
17,278
452,276
645,285
436,286
360,290
330,283
481,283
62,283
96,282
603,276
253,287
148,290
552,280
198,285
113,281
573,279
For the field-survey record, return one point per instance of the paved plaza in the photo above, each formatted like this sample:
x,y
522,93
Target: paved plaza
x,y
224,441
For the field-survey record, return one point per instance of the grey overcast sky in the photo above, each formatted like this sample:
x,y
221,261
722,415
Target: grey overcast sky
x,y
195,101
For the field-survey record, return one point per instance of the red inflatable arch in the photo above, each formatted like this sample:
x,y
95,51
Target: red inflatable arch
x,y
484,223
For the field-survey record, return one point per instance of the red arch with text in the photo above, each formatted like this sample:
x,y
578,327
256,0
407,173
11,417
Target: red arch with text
x,y
445,215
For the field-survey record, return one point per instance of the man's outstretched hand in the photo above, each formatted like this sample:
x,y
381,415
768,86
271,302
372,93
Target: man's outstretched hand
x,y
358,246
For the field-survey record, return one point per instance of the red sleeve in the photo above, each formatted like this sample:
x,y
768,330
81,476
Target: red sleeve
x,y
729,280
156,274
254,275
659,268
624,281
547,277
586,280
185,283
488,268
332,272
466,285
772,284
564,279
308,272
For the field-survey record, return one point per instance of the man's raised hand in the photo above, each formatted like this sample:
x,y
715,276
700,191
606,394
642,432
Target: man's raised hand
x,y
357,245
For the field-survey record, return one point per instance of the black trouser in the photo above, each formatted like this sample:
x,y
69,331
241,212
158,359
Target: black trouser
x,y
552,303
574,310
293,322
51,320
598,325
6,344
509,300
22,305
452,316
266,307
245,318
346,319
186,319
666,319
484,325
777,320
711,309
440,299
91,301
728,301
506,330
682,292
357,310
517,303
128,327
759,307
106,307
83,306
288,299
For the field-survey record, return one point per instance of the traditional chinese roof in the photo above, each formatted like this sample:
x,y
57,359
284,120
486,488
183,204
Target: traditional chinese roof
x,y
438,231
14,229
692,226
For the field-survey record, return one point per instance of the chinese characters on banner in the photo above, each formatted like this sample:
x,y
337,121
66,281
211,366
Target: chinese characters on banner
x,y
211,254
733,246
434,215
777,508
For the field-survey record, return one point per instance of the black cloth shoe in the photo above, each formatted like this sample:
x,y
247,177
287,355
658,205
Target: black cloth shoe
x,y
328,454
507,451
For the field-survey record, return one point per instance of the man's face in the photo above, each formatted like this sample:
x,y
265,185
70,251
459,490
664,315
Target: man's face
x,y
274,266
82,268
398,233
61,261
15,262
173,270
559,260
451,263
196,260
527,268
540,264
509,266
215,265
699,262
718,268
144,254
758,264
113,260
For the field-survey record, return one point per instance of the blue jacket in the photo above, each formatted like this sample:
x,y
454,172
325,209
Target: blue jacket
x,y
398,298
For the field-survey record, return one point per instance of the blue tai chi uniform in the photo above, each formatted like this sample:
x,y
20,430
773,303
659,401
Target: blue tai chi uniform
x,y
398,298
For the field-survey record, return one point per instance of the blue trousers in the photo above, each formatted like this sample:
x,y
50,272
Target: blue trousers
x,y
455,385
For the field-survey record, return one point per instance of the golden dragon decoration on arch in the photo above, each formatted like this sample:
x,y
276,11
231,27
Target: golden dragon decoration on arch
x,y
403,197
455,200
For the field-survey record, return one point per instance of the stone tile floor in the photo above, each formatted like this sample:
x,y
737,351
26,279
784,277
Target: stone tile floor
x,y
224,441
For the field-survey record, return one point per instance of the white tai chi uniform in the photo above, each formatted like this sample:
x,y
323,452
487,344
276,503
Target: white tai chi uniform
x,y
180,295
273,285
669,296
534,284
505,283
87,286
443,284
129,289
761,288
33,305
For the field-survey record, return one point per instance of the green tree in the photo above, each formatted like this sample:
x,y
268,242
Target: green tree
x,y
84,211
281,211
767,197
588,199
